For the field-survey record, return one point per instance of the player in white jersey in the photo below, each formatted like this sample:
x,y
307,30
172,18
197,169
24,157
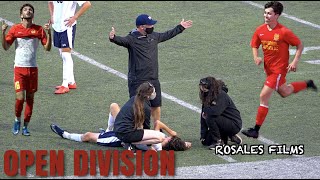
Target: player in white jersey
x,y
26,36
64,19
108,138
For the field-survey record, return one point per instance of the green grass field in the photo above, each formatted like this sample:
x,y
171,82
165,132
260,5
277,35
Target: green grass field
x,y
217,45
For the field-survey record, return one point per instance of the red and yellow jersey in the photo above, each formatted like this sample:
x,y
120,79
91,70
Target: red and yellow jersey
x,y
26,43
275,46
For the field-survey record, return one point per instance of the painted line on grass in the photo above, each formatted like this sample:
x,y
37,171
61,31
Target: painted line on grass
x,y
123,76
294,19
172,98
286,15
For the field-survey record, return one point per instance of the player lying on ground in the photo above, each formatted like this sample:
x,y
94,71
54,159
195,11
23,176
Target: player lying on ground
x,y
107,137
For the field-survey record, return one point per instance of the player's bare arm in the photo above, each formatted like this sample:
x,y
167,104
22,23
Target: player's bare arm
x,y
51,9
293,65
160,125
81,11
256,58
47,28
4,27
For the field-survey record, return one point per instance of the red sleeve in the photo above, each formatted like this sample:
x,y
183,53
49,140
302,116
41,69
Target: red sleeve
x,y
255,41
10,37
291,38
43,36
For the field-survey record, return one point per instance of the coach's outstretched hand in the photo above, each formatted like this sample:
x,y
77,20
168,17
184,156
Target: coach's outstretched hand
x,y
186,24
112,33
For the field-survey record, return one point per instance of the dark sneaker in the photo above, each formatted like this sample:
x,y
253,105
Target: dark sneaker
x,y
16,127
251,132
310,84
236,138
25,131
129,147
214,145
224,140
56,129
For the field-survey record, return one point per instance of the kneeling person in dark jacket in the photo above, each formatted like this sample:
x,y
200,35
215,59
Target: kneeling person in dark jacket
x,y
220,118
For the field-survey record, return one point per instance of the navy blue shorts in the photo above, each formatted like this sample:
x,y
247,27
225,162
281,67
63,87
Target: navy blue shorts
x,y
133,86
108,139
65,39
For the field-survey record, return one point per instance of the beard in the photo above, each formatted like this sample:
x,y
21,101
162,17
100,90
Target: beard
x,y
27,16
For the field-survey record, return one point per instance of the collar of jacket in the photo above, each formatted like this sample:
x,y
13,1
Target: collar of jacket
x,y
137,34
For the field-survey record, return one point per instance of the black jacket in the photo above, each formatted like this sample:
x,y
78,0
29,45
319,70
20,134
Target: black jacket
x,y
124,122
223,106
143,52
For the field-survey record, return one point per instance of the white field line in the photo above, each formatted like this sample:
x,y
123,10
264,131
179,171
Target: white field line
x,y
286,15
123,76
172,98
294,19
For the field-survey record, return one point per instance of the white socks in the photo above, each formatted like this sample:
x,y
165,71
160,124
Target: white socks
x,y
110,123
67,64
72,136
18,119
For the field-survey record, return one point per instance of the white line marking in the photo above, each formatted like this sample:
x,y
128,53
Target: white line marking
x,y
262,139
314,61
123,76
293,51
286,15
172,98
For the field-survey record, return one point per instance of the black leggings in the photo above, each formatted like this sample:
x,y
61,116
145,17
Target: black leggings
x,y
220,128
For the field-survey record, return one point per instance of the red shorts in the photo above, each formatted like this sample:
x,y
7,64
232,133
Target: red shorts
x,y
26,78
274,81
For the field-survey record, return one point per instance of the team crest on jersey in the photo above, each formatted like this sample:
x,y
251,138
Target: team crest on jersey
x,y
276,37
33,31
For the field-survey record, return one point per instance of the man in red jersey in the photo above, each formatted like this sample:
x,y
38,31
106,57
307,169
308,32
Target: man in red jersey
x,y
275,40
26,36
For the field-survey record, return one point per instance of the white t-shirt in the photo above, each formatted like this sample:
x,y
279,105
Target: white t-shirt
x,y
63,10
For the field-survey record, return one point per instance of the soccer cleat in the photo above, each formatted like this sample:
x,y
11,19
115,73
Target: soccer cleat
x,y
310,84
214,145
129,147
62,90
25,131
236,138
70,86
16,127
56,129
251,132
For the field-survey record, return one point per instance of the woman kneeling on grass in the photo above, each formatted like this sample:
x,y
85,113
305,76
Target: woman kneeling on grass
x,y
220,118
132,124
122,130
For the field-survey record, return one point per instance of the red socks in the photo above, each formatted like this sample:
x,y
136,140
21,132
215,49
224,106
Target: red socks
x,y
19,107
28,110
299,86
261,115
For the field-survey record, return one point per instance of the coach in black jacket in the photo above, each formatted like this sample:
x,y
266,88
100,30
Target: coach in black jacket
x,y
142,44
220,117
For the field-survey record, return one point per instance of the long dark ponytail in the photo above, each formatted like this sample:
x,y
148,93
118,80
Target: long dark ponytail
x,y
144,91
